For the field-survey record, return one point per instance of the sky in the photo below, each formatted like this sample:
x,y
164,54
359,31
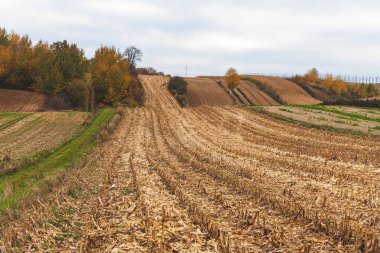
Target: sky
x,y
256,36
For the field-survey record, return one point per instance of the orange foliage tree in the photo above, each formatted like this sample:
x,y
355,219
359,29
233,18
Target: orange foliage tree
x,y
232,78
110,75
312,76
335,84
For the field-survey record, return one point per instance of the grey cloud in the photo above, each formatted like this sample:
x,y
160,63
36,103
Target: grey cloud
x,y
282,36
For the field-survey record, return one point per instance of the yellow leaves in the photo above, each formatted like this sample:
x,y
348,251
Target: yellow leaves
x,y
232,78
4,60
335,83
312,76
110,71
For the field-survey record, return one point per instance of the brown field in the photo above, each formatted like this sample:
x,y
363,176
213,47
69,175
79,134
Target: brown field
x,y
247,90
254,94
205,91
39,131
323,118
213,179
20,101
290,92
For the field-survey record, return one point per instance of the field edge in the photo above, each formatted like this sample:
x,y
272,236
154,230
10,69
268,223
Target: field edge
x,y
35,176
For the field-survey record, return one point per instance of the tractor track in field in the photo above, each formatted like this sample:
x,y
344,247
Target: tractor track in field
x,y
224,179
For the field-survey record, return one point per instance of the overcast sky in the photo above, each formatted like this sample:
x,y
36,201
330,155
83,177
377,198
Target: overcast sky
x,y
283,36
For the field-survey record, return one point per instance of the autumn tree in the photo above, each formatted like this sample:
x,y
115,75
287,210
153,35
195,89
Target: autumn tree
x,y
46,73
336,84
4,54
312,76
61,70
232,78
15,60
110,75
70,60
372,90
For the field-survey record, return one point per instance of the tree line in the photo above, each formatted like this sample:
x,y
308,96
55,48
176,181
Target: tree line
x,y
338,85
62,71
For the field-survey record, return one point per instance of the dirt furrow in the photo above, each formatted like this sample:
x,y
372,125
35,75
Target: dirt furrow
x,y
226,205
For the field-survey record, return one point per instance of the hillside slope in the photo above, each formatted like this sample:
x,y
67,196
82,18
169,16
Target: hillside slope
x,y
205,91
255,95
249,93
320,92
289,92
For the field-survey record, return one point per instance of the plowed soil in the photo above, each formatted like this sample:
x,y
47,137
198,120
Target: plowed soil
x,y
20,101
249,93
290,92
205,91
213,179
255,95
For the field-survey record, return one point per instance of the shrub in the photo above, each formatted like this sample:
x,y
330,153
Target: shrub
x,y
232,79
58,101
79,93
178,87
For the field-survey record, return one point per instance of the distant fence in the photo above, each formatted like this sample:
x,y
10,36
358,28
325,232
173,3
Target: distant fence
x,y
346,78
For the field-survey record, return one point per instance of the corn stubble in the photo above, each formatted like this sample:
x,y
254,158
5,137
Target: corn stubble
x,y
213,179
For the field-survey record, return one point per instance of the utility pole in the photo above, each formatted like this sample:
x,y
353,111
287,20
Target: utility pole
x,y
186,70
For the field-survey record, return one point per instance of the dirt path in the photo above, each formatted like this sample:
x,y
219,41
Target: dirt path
x,y
215,179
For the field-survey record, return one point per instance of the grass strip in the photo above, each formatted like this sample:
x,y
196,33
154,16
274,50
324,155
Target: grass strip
x,y
336,111
310,125
16,118
34,176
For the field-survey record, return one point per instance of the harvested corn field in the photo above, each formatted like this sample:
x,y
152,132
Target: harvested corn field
x,y
26,134
20,101
289,92
213,179
205,91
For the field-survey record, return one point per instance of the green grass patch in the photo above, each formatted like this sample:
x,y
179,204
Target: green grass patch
x,y
7,114
376,128
373,112
341,122
323,119
15,117
352,116
286,110
36,175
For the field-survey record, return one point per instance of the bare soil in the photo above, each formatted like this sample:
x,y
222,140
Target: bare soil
x,y
290,92
205,91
